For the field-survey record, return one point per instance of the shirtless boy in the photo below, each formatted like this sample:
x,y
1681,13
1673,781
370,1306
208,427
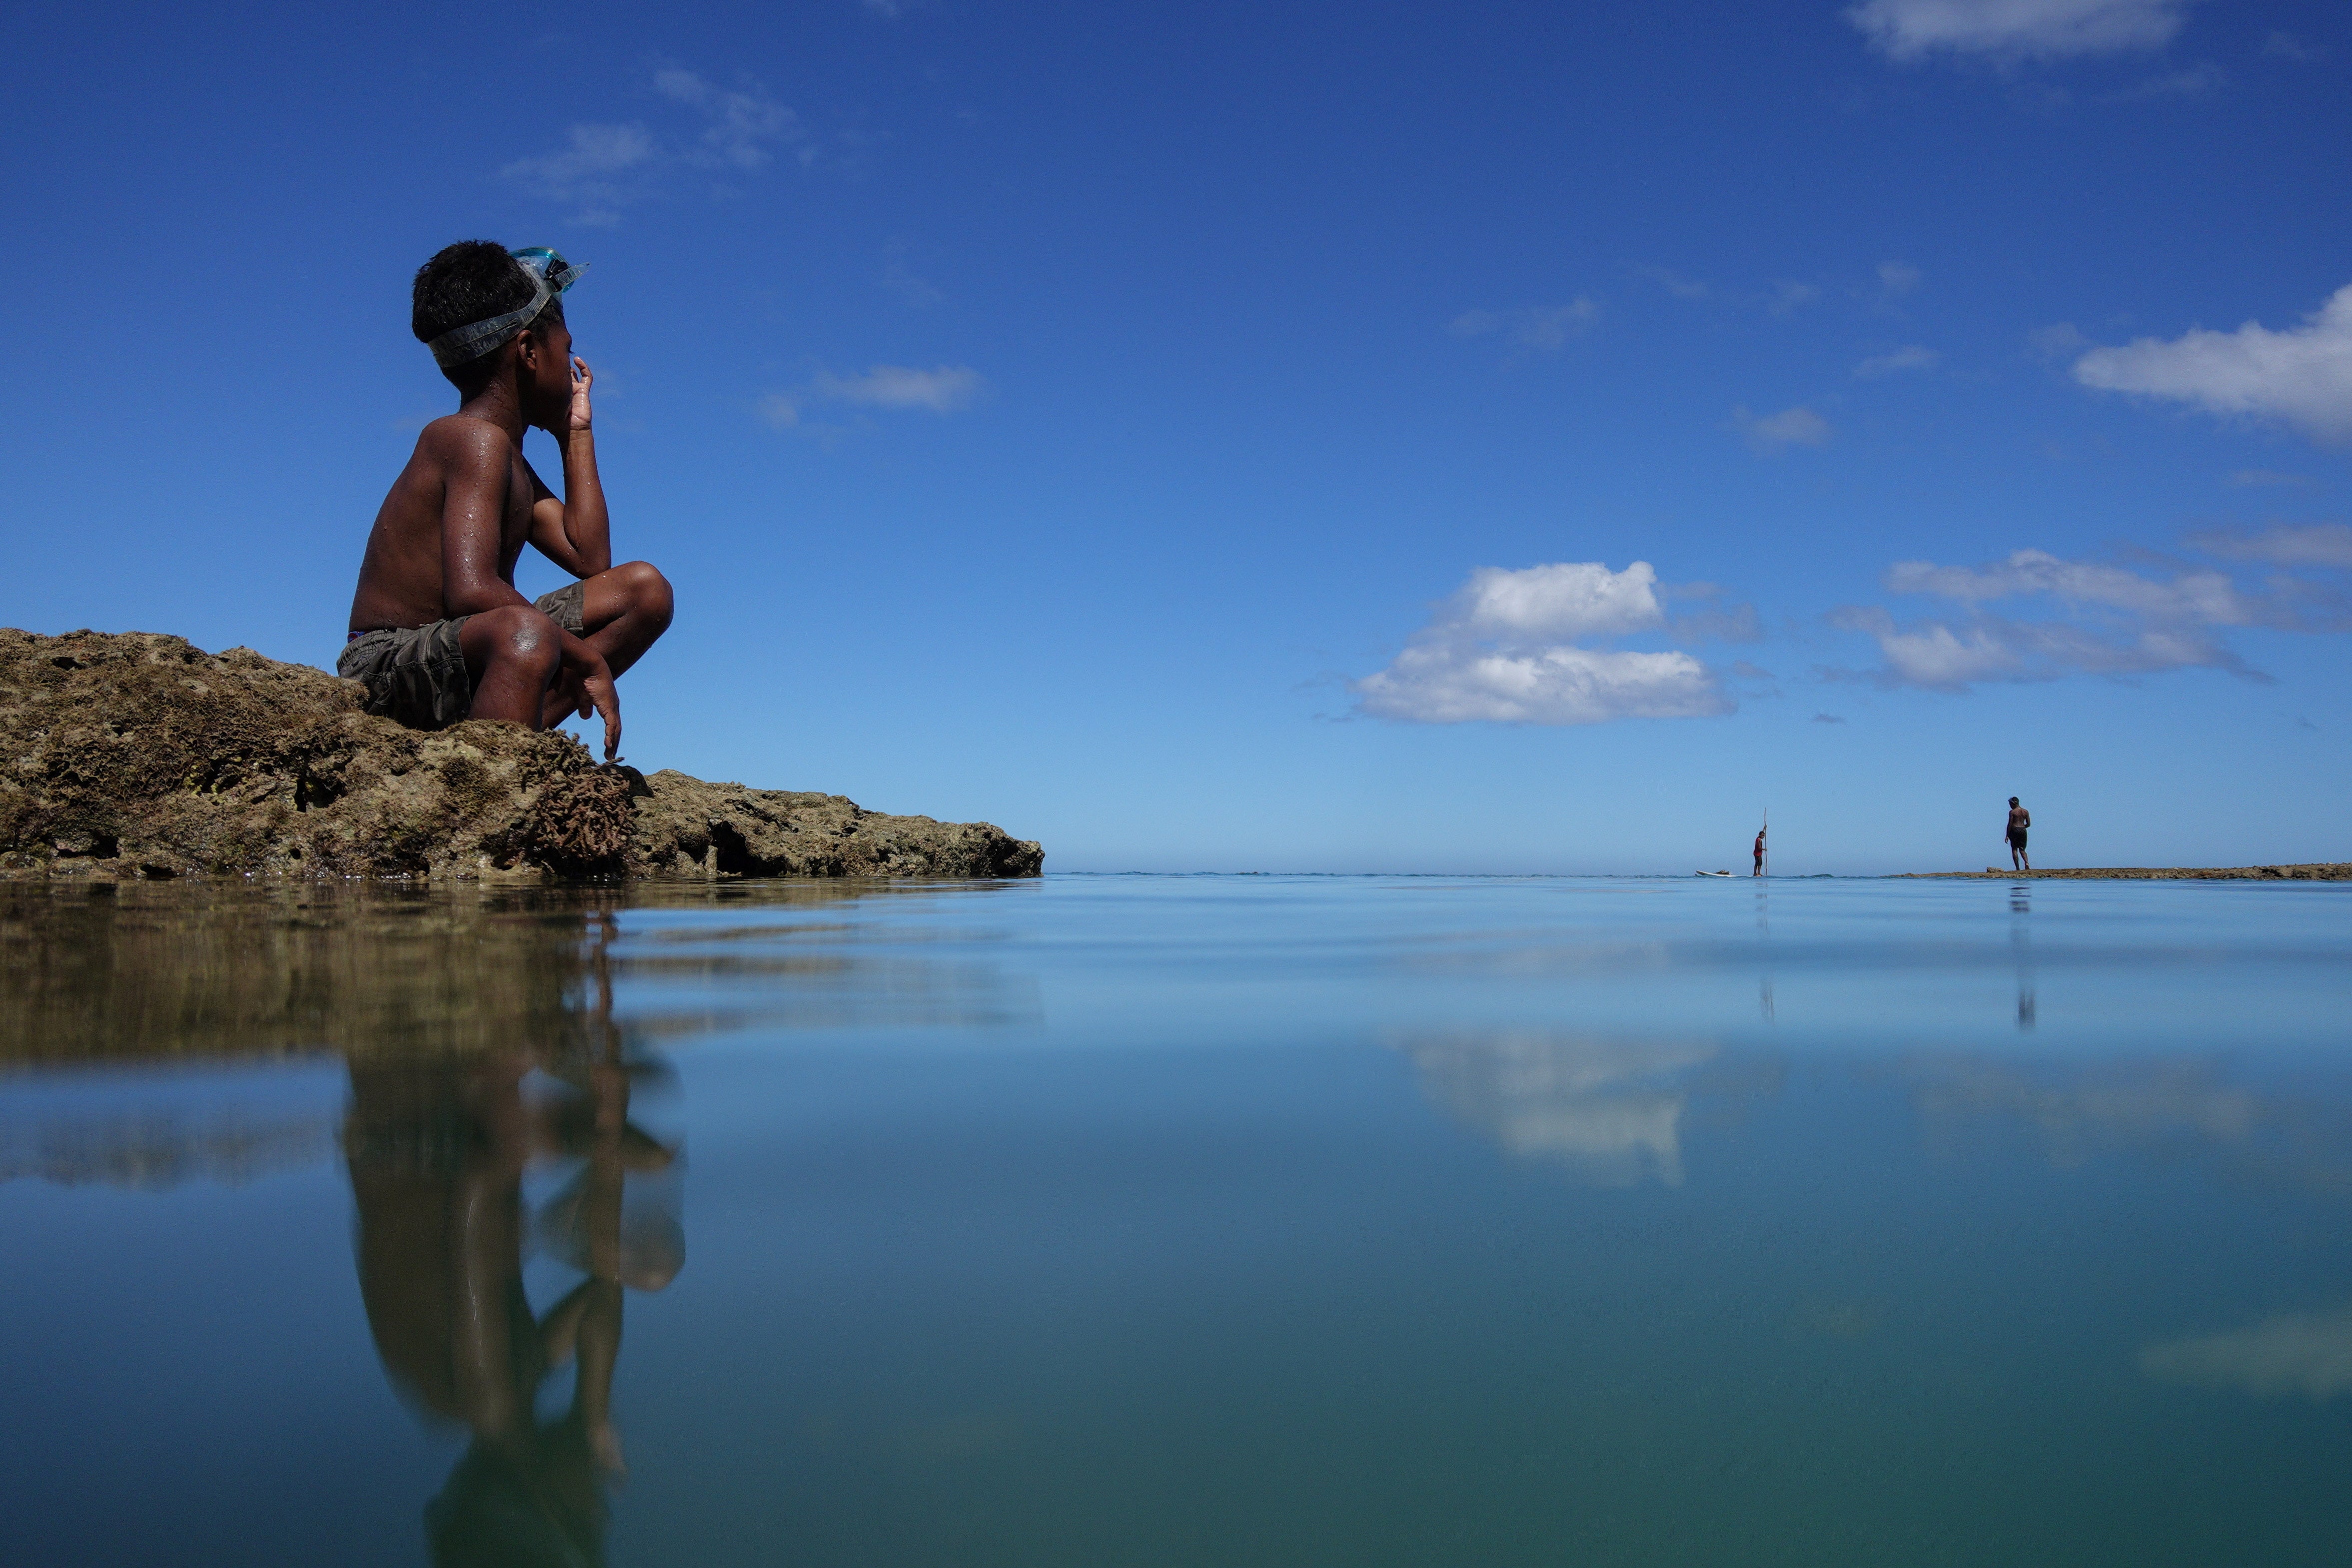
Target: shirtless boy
x,y
2020,819
437,631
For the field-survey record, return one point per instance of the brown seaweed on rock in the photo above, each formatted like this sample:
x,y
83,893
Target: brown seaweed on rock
x,y
139,757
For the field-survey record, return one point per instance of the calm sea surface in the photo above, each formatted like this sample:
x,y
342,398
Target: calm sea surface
x,y
1179,1220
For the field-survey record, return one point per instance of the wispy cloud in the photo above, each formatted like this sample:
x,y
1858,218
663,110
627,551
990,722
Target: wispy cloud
x,y
602,167
2307,1355
910,289
1508,648
942,389
1675,284
1911,357
2253,478
2196,81
1827,718
599,168
2287,46
1783,296
2101,619
2301,375
2281,544
1545,328
743,127
1897,278
2017,29
2208,597
1799,426
2058,341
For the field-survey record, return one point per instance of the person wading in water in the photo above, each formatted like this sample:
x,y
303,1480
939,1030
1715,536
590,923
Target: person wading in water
x,y
2020,819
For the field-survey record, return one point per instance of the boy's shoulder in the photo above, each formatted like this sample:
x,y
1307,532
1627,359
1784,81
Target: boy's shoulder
x,y
463,439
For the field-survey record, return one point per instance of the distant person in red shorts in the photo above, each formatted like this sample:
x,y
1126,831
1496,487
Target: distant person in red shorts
x,y
1759,852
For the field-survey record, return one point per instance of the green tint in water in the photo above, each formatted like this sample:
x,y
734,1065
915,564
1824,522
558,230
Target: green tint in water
x,y
1178,1221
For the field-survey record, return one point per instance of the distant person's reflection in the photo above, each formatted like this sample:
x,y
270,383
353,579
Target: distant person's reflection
x,y
437,1154
2021,904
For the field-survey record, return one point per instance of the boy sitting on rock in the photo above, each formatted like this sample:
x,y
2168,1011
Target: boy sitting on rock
x,y
438,632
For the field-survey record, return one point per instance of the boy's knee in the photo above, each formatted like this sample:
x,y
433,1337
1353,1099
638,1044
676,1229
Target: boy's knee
x,y
524,636
649,590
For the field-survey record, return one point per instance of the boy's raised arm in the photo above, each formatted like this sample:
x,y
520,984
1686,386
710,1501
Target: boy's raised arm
x,y
575,532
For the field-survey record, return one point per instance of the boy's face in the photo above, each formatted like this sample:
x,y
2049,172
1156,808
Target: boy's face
x,y
546,379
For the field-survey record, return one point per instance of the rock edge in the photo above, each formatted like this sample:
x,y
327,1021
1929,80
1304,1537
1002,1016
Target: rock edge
x,y
2328,871
139,756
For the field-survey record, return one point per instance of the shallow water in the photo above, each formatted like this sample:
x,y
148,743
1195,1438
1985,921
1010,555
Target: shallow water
x,y
1160,1220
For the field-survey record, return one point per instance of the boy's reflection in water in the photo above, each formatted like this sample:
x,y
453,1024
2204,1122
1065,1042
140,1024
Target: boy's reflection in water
x,y
437,1154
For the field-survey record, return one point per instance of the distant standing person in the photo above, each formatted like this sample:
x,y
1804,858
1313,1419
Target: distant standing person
x,y
1759,852
2020,819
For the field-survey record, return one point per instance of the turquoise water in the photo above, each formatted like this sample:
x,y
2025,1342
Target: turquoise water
x,y
1180,1220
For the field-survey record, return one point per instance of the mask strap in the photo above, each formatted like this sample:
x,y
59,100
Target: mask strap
x,y
466,344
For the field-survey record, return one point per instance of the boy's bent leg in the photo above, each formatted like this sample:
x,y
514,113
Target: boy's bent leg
x,y
512,654
624,611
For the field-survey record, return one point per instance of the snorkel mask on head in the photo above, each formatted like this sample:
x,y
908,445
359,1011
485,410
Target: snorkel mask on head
x,y
551,275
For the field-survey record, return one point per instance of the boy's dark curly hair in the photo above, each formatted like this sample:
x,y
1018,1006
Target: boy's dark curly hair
x,y
470,281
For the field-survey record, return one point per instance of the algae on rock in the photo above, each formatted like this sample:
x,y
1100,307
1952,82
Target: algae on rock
x,y
139,756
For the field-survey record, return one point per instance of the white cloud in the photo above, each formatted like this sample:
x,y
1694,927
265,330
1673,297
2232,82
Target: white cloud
x,y
2308,1355
943,388
1911,357
1562,601
2301,375
2015,29
1546,328
2112,621
2283,544
1786,296
1798,426
1504,649
1897,277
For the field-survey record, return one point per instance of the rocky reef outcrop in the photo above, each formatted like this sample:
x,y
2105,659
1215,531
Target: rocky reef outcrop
x,y
139,756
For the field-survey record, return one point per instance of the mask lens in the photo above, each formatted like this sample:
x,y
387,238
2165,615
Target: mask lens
x,y
560,274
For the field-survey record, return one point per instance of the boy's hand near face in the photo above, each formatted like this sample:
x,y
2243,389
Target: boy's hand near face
x,y
582,378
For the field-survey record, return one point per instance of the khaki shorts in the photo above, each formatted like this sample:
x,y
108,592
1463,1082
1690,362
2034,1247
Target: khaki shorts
x,y
417,676
564,606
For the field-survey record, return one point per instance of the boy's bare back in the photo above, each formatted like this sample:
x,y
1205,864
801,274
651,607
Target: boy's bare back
x,y
404,575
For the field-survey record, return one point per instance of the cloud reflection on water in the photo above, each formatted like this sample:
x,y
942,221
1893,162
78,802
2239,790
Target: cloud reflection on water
x,y
2306,1353
1608,1109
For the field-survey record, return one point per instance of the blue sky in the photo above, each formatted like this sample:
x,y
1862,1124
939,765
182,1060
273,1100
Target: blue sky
x,y
1307,437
